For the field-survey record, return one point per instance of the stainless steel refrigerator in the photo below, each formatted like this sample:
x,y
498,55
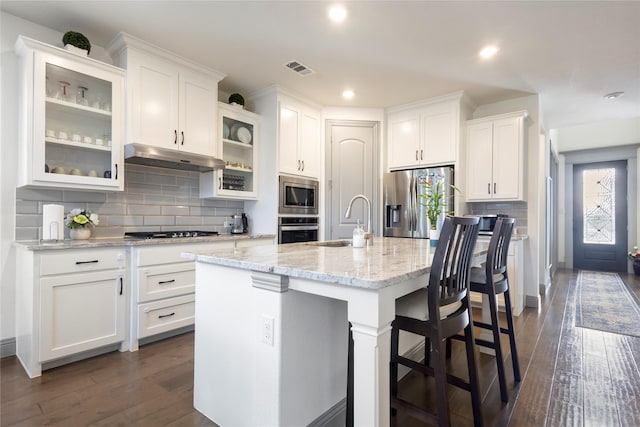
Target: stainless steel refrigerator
x,y
404,213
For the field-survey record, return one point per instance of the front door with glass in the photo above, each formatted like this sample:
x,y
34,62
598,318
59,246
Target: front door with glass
x,y
600,216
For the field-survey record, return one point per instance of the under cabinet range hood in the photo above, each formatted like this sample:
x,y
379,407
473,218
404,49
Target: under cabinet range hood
x,y
172,159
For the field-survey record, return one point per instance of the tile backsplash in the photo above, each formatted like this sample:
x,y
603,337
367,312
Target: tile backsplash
x,y
153,199
517,210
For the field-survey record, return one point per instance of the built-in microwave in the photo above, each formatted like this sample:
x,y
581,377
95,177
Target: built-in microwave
x,y
487,223
298,196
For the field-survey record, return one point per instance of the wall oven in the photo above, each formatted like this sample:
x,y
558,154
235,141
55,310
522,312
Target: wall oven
x,y
298,196
297,229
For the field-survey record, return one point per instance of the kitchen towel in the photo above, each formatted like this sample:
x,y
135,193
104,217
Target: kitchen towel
x,y
52,222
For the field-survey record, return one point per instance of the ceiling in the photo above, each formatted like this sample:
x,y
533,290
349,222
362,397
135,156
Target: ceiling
x,y
390,52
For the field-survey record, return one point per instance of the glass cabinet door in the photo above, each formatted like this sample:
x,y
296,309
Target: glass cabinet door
x,y
77,108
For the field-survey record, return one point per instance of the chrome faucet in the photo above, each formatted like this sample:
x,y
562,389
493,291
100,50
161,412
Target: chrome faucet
x,y
368,235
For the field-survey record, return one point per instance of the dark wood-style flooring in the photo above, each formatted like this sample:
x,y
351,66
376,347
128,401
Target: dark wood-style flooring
x,y
571,376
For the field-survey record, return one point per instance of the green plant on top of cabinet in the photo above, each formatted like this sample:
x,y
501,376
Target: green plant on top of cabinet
x,y
495,158
299,144
71,120
171,101
238,148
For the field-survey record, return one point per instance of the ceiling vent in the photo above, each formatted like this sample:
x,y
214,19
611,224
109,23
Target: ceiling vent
x,y
296,66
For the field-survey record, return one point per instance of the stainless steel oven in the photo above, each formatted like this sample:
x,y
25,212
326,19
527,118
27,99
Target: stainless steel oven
x,y
298,196
297,229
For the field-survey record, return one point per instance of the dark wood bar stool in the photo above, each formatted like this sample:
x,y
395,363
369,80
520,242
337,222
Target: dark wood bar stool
x,y
493,280
438,312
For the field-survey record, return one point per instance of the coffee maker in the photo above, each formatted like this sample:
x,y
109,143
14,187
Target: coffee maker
x,y
239,224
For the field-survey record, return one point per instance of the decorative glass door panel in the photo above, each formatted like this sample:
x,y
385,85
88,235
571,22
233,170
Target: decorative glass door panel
x,y
599,203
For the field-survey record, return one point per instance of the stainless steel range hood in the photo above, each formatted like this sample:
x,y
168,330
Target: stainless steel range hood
x,y
173,159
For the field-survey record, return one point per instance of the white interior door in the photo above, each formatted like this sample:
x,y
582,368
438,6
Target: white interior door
x,y
352,169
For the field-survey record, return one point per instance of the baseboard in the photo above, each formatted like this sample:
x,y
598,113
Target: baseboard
x,y
7,347
334,417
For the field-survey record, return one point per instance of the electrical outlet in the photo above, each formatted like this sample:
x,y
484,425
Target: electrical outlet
x,y
266,329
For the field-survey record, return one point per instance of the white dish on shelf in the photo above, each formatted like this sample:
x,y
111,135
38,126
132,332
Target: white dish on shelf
x,y
243,135
225,131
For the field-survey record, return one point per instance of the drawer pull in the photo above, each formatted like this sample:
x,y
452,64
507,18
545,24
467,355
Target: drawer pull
x,y
164,282
121,286
165,315
95,261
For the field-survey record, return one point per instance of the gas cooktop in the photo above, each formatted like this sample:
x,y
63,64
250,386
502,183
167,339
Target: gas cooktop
x,y
168,234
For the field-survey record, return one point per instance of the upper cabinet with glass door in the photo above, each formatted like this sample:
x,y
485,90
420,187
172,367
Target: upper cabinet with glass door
x,y
238,148
71,120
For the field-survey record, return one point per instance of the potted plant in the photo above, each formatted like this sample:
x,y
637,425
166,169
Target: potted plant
x,y
435,201
634,256
76,42
79,221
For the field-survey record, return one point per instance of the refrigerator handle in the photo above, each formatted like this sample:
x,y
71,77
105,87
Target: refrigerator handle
x,y
414,204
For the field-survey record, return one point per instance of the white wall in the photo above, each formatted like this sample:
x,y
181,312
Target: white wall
x,y
607,133
534,173
11,27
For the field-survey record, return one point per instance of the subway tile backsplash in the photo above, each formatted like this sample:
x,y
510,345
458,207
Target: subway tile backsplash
x,y
153,199
517,210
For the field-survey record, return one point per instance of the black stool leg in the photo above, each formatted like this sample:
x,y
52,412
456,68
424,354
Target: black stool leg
x,y
495,329
350,380
393,366
473,375
440,373
512,335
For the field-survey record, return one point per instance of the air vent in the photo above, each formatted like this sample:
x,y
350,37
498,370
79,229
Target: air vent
x,y
296,66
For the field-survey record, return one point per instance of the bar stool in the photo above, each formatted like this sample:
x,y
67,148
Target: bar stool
x,y
438,312
492,280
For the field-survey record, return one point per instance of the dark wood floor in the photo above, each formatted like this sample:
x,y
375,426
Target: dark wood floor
x,y
571,376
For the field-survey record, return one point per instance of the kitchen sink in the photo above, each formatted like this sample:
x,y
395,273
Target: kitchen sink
x,y
332,243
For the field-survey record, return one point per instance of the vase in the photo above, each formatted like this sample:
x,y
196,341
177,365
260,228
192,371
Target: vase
x,y
434,236
80,233
76,50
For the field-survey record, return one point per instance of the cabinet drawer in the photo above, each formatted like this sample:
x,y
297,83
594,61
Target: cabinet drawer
x,y
163,316
164,281
81,260
166,254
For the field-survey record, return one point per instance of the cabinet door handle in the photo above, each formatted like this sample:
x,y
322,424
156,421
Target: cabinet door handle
x,y
175,136
95,261
303,165
121,286
416,154
494,188
162,316
116,171
298,164
182,140
164,282
219,183
421,158
488,188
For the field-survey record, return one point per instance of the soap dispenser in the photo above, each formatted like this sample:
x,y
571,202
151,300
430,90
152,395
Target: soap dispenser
x,y
358,236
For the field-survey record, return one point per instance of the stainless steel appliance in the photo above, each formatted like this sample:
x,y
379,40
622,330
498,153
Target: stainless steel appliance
x,y
487,223
297,229
167,234
173,159
298,196
239,224
404,214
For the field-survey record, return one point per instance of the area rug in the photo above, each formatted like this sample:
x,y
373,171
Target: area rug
x,y
604,303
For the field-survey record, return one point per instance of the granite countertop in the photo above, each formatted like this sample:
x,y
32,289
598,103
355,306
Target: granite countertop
x,y
387,262
39,245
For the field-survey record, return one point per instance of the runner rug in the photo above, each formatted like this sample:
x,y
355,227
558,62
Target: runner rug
x,y
604,303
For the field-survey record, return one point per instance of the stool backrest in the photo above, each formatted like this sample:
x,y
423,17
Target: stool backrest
x,y
450,269
499,246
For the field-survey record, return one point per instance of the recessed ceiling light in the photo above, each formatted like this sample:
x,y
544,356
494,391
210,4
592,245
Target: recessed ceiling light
x,y
337,13
613,95
348,94
488,52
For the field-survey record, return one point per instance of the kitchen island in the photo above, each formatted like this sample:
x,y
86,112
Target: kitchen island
x,y
272,327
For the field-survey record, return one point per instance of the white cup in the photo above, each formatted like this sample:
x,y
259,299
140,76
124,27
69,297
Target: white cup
x,y
92,173
62,135
50,133
99,141
88,140
75,172
75,137
59,169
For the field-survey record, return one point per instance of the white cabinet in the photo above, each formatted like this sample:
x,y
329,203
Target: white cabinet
x,y
71,120
239,133
495,158
424,134
299,143
70,302
172,102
